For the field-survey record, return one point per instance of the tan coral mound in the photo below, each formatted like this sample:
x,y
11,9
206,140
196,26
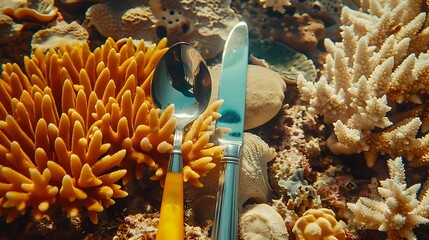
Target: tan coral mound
x,y
318,224
399,211
75,122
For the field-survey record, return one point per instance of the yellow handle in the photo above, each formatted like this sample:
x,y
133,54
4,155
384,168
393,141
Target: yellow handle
x,y
171,225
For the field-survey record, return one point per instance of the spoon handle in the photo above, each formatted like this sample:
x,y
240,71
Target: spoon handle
x,y
171,225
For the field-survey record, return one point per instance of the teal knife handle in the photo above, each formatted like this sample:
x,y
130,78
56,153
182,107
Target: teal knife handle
x,y
226,213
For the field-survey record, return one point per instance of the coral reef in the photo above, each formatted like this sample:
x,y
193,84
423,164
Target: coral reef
x,y
152,20
399,210
370,77
76,121
264,94
82,143
318,224
144,226
333,185
261,221
292,139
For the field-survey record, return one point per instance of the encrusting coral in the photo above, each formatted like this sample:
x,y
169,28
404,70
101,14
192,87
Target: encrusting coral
x,y
77,121
59,34
327,10
42,11
299,31
370,77
302,196
399,210
318,224
144,226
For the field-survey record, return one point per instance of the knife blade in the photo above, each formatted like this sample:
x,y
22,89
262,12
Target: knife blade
x,y
232,89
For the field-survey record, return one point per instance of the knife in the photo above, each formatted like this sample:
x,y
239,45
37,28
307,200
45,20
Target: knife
x,y
232,89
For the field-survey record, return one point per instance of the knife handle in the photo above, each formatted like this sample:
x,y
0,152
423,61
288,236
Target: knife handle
x,y
226,213
171,225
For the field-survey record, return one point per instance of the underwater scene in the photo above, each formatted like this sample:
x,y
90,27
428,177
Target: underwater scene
x,y
214,119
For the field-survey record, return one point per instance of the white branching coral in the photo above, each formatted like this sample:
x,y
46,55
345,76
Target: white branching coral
x,y
380,65
400,211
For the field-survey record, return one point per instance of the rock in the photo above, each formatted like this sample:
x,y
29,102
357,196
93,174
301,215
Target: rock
x,y
264,94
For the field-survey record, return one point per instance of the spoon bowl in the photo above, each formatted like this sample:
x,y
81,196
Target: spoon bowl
x,y
180,78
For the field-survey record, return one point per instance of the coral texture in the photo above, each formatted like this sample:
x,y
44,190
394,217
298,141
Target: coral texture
x,y
300,31
276,5
76,121
253,178
261,221
327,10
302,196
204,24
399,210
370,77
144,226
42,11
318,224
9,30
62,33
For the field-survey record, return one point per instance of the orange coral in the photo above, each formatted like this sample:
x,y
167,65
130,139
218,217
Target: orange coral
x,y
76,122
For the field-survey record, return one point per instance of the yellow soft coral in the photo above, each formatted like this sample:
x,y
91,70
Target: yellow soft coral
x,y
77,121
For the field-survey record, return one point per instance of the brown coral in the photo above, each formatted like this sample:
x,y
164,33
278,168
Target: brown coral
x,y
75,122
9,30
300,31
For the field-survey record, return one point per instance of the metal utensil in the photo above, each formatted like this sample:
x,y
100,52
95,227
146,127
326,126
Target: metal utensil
x,y
180,78
232,89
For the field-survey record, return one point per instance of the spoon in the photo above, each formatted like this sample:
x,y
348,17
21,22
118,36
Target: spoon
x,y
180,78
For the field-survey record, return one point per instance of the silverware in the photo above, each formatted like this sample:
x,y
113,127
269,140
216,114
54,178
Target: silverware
x,y
180,78
232,89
